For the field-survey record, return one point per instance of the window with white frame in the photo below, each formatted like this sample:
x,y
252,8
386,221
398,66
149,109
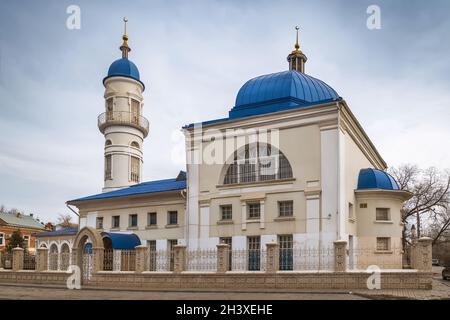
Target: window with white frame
x,y
226,212
383,244
253,210
382,214
151,219
2,239
286,208
172,217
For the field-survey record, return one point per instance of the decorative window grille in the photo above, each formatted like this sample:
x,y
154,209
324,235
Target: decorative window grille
x,y
383,244
108,167
382,214
254,253
135,169
286,255
257,162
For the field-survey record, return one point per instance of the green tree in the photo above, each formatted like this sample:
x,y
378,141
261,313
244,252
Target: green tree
x,y
16,240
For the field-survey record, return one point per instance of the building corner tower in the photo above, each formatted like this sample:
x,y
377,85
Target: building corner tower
x,y
122,122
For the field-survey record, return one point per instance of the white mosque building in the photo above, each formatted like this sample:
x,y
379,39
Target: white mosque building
x,y
312,176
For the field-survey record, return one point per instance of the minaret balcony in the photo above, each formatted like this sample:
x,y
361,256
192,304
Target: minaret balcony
x,y
121,118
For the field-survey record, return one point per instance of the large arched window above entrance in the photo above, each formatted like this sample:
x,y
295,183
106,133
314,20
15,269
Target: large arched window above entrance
x,y
257,162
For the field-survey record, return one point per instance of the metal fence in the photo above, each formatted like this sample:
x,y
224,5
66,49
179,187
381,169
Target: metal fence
x,y
204,260
6,260
160,260
29,261
361,258
307,258
119,260
64,261
248,259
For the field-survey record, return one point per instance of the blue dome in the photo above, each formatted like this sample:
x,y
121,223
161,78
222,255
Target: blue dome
x,y
123,68
376,179
280,91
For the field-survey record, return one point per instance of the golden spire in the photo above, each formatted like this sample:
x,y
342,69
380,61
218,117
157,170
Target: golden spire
x,y
297,46
124,47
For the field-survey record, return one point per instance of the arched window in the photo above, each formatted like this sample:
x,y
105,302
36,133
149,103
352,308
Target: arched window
x,y
135,144
257,162
65,256
53,257
108,143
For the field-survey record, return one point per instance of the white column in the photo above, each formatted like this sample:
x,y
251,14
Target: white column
x,y
244,215
261,215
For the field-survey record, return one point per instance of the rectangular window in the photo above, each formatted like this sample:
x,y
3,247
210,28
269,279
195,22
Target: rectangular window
x,y
151,245
115,223
350,210
229,242
363,205
135,111
151,219
2,239
99,223
135,169
109,109
108,167
254,253
382,214
133,220
286,208
26,239
226,212
253,210
286,252
172,217
383,244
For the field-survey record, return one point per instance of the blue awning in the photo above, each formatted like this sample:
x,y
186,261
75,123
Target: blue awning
x,y
122,241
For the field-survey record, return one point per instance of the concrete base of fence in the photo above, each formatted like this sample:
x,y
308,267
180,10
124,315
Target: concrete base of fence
x,y
230,280
33,277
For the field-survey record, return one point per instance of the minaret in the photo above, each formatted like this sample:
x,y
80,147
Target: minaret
x,y
122,123
297,58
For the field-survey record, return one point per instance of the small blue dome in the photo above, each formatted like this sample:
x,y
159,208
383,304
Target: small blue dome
x,y
123,68
376,179
280,91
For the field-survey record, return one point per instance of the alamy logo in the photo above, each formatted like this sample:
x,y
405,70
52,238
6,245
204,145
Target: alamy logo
x,y
374,280
74,280
374,20
73,21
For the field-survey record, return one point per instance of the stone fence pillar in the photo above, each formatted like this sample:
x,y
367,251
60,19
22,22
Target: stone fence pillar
x,y
340,256
223,263
141,258
97,259
179,252
17,259
273,257
423,254
41,259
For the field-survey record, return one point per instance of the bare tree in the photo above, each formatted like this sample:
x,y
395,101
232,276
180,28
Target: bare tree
x,y
430,189
65,221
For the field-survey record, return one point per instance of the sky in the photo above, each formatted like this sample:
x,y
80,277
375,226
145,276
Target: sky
x,y
193,57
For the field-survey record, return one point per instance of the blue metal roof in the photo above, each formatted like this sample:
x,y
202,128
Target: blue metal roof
x,y
277,92
376,179
124,68
178,183
56,232
122,241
